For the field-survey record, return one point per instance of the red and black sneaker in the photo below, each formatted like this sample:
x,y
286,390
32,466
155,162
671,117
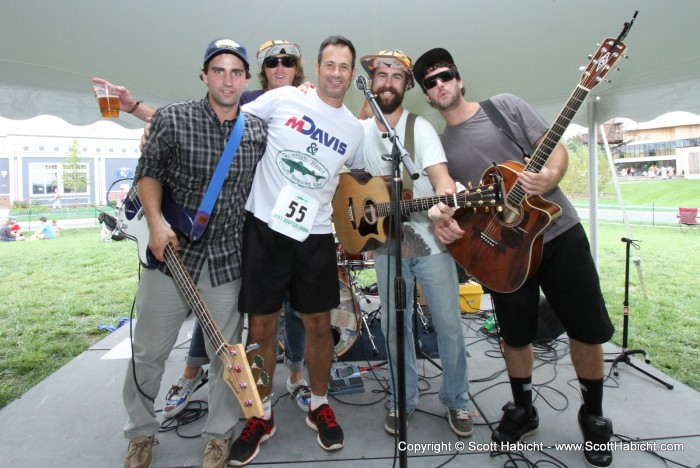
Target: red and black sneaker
x,y
322,420
247,446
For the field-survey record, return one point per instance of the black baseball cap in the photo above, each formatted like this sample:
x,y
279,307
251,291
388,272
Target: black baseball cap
x,y
426,60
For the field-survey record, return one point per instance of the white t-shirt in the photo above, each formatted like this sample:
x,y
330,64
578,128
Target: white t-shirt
x,y
419,237
308,143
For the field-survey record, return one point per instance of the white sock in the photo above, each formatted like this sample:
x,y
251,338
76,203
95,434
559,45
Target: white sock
x,y
267,407
317,401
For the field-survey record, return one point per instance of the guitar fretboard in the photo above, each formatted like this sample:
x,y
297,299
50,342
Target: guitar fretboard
x,y
194,299
484,195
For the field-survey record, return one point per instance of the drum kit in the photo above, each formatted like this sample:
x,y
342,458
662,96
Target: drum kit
x,y
356,309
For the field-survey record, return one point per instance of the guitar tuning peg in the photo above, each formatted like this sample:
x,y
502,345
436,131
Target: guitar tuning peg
x,y
590,56
581,68
469,184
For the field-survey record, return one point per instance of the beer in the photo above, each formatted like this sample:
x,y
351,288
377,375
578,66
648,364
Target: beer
x,y
109,106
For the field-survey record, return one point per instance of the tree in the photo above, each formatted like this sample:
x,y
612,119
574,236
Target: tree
x,y
575,182
73,174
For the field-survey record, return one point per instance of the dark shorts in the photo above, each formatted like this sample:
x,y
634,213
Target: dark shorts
x,y
569,280
274,265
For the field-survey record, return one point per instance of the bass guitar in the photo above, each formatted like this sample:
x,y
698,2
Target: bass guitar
x,y
237,372
362,206
503,249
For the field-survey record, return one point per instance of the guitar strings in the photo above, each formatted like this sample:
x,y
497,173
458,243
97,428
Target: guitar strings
x,y
516,195
195,300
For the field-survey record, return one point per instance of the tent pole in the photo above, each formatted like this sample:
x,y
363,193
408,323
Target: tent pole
x,y
637,261
593,176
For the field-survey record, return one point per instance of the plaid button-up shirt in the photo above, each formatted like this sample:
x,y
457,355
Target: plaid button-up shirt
x,y
184,145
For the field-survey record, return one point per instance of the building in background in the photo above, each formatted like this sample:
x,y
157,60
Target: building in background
x,y
665,147
35,159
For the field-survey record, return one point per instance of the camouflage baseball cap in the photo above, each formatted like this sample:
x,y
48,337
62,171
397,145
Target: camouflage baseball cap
x,y
389,58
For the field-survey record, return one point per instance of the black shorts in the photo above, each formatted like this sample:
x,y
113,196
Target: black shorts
x,y
274,265
569,280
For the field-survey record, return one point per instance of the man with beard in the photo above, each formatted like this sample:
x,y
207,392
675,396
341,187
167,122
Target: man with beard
x,y
425,259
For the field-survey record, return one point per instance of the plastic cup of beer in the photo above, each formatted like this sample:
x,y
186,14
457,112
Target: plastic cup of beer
x,y
108,99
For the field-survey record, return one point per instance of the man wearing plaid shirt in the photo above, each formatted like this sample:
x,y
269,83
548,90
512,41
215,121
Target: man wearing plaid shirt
x,y
185,143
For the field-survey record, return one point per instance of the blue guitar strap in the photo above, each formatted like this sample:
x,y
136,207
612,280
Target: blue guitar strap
x,y
201,220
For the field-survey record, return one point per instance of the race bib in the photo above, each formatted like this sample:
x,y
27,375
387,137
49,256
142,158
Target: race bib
x,y
294,213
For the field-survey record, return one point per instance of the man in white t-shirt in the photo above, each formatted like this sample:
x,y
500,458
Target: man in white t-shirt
x,y
425,259
288,244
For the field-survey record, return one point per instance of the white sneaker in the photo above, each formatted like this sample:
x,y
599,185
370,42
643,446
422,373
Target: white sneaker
x,y
301,393
180,393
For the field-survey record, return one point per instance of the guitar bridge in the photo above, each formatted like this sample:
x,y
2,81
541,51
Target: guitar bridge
x,y
490,241
351,214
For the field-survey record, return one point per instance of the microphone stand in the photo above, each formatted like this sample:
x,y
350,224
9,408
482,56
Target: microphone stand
x,y
624,356
398,156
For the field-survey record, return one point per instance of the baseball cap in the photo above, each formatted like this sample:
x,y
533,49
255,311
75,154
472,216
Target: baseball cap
x,y
427,59
270,48
218,46
389,58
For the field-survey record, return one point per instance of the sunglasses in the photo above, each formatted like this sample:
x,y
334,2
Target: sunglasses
x,y
287,62
447,75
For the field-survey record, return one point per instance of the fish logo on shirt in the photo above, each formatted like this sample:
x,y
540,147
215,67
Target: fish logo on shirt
x,y
297,166
302,169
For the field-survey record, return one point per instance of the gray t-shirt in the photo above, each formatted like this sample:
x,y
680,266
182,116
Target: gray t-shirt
x,y
473,145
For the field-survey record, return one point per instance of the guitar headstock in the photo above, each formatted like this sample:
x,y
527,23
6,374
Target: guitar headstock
x,y
238,376
484,196
602,62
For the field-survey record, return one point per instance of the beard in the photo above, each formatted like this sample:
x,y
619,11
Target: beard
x,y
389,106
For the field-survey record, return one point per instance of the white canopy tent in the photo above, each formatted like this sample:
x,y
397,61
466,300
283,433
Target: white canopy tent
x,y
50,50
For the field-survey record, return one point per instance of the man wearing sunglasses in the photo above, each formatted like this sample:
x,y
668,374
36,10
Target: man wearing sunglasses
x,y
567,274
425,258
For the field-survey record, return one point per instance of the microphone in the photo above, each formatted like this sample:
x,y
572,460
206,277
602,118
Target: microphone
x,y
361,83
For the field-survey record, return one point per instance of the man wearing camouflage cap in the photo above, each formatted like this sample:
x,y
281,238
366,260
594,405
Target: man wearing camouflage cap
x,y
425,259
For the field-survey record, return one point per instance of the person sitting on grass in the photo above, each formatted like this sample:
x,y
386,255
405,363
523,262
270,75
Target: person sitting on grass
x,y
45,231
15,229
6,234
54,224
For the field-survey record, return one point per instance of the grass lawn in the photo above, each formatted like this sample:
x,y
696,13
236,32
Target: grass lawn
x,y
55,293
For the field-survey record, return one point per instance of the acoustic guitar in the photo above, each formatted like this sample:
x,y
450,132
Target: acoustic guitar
x,y
503,249
237,373
362,207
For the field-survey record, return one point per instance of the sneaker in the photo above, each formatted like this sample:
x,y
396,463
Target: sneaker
x,y
596,430
391,421
322,420
247,446
216,453
460,422
515,424
301,393
140,453
179,394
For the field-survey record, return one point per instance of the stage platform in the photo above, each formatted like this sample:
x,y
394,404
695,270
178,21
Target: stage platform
x,y
74,418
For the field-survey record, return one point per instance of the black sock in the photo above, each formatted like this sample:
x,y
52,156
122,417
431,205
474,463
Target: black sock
x,y
522,392
592,393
